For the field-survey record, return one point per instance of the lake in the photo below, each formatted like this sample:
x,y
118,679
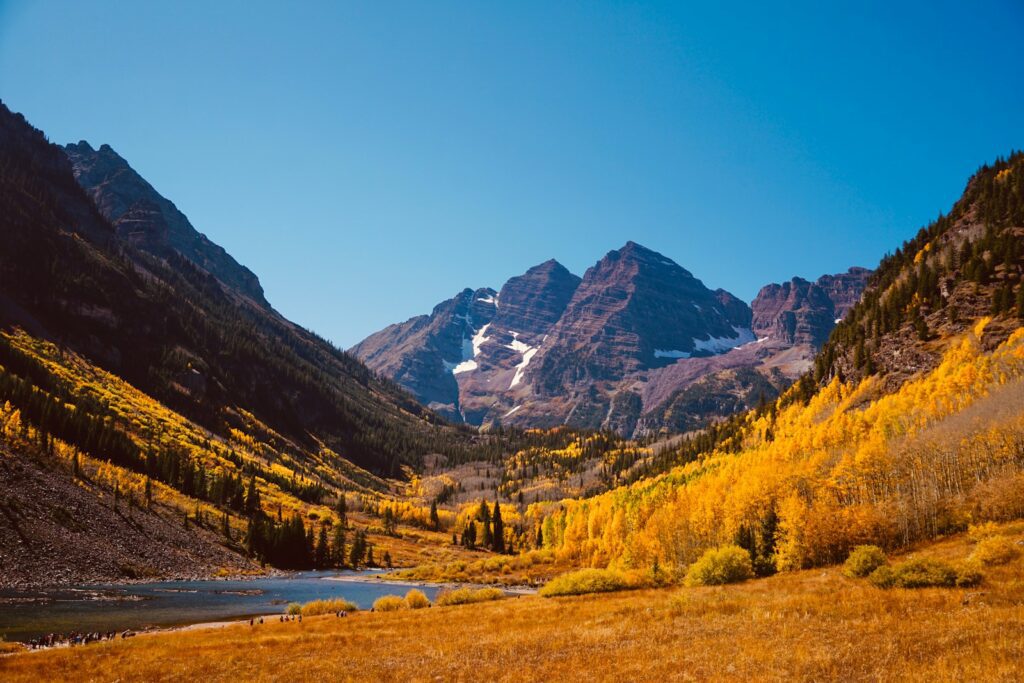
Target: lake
x,y
26,614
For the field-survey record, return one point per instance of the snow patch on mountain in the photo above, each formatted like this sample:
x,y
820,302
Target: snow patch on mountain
x,y
713,345
521,367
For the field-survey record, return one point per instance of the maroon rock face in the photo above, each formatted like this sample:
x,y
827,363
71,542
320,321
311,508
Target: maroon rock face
x,y
802,312
426,353
532,303
627,347
634,310
149,221
845,289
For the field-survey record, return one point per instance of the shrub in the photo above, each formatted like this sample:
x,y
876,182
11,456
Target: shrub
x,y
388,603
994,550
464,596
727,564
968,575
883,577
915,573
585,581
294,608
863,560
415,599
317,607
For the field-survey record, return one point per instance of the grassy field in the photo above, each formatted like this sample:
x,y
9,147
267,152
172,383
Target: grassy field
x,y
809,625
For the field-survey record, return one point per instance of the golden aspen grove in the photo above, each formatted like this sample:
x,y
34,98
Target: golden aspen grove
x,y
451,431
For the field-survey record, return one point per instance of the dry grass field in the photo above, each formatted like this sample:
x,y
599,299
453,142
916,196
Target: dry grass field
x,y
809,625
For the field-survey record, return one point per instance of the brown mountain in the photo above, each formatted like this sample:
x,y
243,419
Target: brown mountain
x,y
637,345
426,353
802,312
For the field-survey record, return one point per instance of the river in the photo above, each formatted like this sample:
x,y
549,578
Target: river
x,y
26,614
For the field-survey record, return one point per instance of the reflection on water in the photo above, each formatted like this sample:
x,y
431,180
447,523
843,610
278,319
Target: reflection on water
x,y
26,614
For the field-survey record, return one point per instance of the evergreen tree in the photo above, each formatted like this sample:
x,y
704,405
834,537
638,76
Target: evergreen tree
x,y
342,510
498,541
339,546
483,514
435,521
252,499
322,554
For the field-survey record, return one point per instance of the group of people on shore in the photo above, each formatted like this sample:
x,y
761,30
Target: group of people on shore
x,y
75,638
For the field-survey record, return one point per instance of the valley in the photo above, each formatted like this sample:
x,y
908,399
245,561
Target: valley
x,y
629,442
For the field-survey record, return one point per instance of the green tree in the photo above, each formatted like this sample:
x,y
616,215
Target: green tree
x,y
435,521
498,540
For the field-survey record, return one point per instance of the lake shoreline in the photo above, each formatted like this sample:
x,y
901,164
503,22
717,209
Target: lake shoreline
x,y
414,583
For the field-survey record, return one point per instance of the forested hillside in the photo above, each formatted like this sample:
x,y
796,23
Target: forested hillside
x,y
172,329
911,427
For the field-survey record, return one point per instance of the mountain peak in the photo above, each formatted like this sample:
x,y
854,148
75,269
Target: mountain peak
x,y
149,221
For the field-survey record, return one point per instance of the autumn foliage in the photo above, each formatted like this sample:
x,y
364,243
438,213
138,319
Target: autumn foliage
x,y
852,466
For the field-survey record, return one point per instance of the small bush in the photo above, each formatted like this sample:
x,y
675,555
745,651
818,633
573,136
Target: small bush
x,y
388,603
727,564
994,550
863,560
465,596
415,599
883,577
585,581
333,606
968,575
294,608
915,574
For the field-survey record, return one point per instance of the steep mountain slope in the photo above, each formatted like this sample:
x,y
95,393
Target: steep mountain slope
x,y
173,329
965,264
472,347
802,312
144,380
148,221
638,345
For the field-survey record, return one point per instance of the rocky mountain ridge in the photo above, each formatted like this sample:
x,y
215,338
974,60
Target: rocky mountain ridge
x,y
626,347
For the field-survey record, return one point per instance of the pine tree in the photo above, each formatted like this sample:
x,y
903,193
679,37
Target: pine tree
x,y
339,546
342,510
435,521
322,551
498,542
252,499
484,515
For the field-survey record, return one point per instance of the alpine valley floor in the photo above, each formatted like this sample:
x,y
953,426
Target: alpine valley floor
x,y
808,625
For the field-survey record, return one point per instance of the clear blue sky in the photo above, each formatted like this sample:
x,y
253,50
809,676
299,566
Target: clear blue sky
x,y
367,163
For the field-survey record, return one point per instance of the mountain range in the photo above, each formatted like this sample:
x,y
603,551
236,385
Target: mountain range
x,y
638,345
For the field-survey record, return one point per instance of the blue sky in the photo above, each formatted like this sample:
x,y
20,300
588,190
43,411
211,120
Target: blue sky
x,y
368,160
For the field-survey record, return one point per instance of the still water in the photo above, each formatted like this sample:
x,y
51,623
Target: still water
x,y
26,614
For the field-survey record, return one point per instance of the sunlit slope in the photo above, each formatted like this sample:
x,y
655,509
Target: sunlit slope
x,y
88,428
852,465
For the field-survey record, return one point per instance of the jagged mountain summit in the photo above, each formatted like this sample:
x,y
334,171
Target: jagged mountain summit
x,y
637,345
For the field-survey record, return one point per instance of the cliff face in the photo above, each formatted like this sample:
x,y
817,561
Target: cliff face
x,y
802,312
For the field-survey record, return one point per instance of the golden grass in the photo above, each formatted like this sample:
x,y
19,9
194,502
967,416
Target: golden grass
x,y
809,625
